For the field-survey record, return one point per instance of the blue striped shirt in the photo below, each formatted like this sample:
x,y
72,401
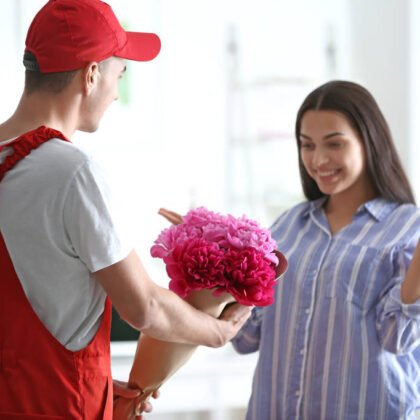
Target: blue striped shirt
x,y
338,343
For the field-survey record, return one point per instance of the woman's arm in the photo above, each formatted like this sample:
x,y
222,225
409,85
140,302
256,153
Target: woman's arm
x,y
410,289
398,312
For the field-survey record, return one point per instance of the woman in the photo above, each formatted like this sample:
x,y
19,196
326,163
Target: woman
x,y
342,340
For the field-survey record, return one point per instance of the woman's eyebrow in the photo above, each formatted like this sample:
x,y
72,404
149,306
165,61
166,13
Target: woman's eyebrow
x,y
335,133
327,136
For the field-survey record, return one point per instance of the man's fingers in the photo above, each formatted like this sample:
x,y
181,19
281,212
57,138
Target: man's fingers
x,y
236,313
235,316
156,394
147,407
143,407
122,389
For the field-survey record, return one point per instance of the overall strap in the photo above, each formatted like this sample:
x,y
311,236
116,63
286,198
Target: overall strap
x,y
24,144
39,377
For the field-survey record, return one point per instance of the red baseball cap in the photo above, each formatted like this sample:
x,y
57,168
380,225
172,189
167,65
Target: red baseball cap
x,y
66,35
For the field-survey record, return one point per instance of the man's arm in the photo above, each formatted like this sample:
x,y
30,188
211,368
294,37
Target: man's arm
x,y
160,313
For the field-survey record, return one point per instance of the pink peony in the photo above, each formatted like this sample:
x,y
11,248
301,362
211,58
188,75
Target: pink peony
x,y
224,253
250,276
195,265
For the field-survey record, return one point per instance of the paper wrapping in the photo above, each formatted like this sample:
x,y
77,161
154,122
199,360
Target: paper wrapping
x,y
156,361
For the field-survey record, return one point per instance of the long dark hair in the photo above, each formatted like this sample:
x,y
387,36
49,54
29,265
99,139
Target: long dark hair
x,y
360,109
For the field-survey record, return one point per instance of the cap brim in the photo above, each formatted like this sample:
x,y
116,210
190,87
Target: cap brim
x,y
140,46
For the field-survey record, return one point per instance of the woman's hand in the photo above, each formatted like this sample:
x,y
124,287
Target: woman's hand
x,y
410,289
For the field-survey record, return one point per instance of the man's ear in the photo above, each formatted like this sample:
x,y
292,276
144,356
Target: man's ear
x,y
90,77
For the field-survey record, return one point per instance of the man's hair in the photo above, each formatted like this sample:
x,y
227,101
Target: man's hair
x,y
35,81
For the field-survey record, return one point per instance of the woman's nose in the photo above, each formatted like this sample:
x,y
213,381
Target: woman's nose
x,y
319,157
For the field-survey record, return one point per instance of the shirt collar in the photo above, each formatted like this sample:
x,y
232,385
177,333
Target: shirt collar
x,y
378,208
314,205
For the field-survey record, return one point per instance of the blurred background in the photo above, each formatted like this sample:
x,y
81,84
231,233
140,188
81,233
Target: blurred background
x,y
210,123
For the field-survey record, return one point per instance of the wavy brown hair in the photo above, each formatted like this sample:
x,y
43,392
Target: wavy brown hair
x,y
360,109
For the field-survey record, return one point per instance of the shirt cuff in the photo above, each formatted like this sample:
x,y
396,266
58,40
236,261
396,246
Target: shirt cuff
x,y
394,304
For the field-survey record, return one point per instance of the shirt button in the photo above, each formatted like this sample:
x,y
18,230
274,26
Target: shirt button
x,y
297,393
302,352
307,311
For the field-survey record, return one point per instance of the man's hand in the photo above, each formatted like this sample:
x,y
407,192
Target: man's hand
x,y
145,406
235,315
129,403
122,389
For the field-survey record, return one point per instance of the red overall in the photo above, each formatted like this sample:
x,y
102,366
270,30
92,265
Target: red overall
x,y
39,377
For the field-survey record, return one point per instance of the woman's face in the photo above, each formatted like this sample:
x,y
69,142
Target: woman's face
x,y
333,154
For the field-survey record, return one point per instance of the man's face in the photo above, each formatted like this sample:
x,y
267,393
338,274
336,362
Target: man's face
x,y
104,92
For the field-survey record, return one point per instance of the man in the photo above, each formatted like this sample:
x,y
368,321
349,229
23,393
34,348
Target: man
x,y
63,253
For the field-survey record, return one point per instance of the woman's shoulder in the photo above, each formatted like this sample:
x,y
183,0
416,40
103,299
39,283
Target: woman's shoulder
x,y
296,212
403,223
411,208
305,207
406,211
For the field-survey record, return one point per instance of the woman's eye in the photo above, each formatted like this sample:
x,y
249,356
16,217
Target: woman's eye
x,y
334,144
307,146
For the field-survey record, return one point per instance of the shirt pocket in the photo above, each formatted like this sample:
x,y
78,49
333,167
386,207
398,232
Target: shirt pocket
x,y
355,274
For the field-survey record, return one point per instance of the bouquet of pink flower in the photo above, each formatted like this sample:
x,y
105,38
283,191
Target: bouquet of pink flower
x,y
227,254
212,260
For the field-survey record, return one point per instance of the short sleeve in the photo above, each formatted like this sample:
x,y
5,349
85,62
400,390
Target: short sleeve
x,y
94,221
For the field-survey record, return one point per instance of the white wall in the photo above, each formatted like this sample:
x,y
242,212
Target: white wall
x,y
414,102
385,50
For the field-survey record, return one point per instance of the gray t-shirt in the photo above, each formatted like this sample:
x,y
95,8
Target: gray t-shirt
x,y
60,224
